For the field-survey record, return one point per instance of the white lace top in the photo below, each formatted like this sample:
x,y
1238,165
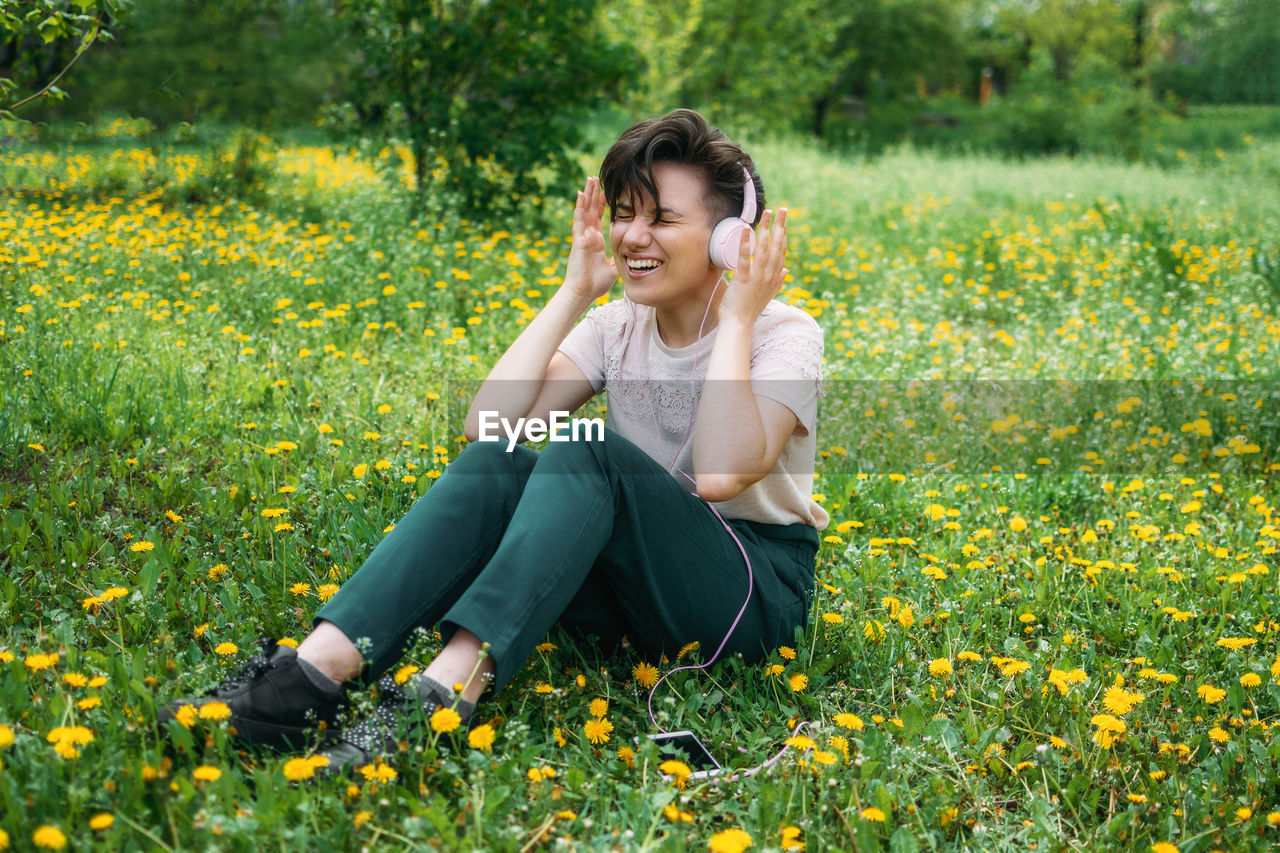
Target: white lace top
x,y
656,414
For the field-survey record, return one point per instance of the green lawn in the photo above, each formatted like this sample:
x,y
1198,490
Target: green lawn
x,y
1047,609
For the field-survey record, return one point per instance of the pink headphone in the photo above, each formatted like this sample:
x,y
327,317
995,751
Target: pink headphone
x,y
726,238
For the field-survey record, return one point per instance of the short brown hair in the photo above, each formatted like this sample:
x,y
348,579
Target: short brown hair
x,y
680,136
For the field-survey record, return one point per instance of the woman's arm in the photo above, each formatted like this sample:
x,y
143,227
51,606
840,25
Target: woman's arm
x,y
738,436
518,386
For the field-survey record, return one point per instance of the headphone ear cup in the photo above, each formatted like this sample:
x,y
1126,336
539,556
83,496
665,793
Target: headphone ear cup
x,y
726,241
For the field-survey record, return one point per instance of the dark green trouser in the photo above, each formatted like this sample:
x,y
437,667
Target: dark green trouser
x,y
593,534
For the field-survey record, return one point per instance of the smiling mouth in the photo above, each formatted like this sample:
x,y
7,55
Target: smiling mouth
x,y
640,266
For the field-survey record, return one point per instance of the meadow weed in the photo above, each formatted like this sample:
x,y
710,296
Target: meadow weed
x,y
1047,607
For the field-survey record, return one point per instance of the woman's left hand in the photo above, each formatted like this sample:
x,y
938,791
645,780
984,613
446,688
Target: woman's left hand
x,y
757,279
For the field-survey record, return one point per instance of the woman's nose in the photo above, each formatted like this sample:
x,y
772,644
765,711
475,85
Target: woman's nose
x,y
637,235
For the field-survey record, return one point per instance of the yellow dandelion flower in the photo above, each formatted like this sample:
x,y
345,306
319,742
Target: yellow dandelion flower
x,y
730,841
403,674
599,707
801,742
215,711
1211,694
206,773
186,716
1119,701
645,674
1014,667
101,821
597,731
678,770
49,838
445,720
873,814
378,772
798,682
298,769
940,667
226,649
481,737
37,662
852,722
676,815
141,545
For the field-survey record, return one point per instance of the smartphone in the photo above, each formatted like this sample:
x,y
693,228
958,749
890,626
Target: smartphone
x,y
685,746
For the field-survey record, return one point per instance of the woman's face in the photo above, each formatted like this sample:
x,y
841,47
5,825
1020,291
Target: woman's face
x,y
662,254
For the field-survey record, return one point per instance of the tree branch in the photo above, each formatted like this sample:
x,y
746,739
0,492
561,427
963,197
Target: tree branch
x,y
89,39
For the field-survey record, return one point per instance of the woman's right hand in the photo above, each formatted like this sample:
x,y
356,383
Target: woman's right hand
x,y
591,272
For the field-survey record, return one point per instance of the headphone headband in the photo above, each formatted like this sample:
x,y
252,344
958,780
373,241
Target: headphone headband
x,y
748,198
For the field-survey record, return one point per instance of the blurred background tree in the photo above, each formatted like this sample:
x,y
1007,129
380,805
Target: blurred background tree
x,y
256,62
492,95
496,98
40,40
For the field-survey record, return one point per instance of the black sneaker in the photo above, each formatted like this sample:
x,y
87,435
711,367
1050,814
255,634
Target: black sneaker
x,y
403,713
272,701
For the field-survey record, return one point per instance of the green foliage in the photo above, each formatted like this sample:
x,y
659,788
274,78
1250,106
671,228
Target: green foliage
x,y
759,66
1221,53
41,39
489,95
662,36
1071,31
242,61
804,66
1097,112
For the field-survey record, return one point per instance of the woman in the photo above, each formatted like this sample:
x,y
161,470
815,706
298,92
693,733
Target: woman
x,y
690,519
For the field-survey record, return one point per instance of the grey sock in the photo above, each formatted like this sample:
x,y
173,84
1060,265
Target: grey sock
x,y
318,677
431,692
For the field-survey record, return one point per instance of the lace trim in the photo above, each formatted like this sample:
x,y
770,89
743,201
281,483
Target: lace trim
x,y
673,399
801,354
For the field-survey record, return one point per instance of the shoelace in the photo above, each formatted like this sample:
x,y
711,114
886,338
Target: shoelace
x,y
254,667
379,732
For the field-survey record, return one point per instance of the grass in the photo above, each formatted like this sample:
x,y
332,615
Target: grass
x,y
1046,610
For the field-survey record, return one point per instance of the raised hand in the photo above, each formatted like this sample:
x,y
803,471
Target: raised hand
x,y
759,278
590,272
